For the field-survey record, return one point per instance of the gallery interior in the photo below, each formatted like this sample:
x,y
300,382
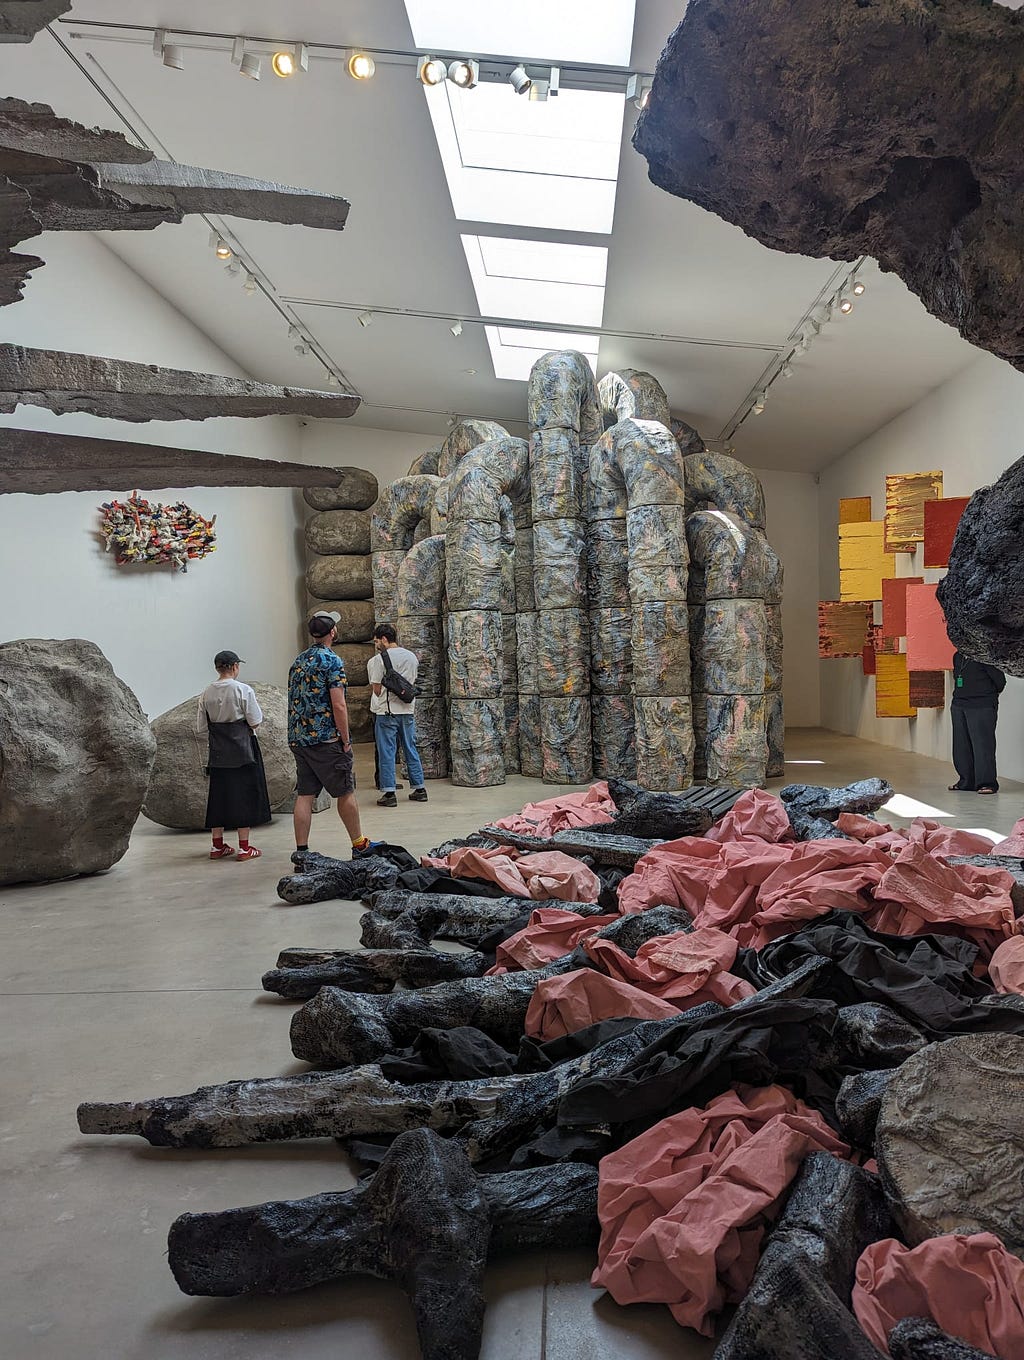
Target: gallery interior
x,y
610,410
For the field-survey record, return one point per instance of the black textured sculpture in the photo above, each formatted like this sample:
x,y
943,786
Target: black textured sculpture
x,y
921,1339
372,970
607,849
406,920
798,1306
655,816
321,878
982,594
812,808
426,1221
858,1104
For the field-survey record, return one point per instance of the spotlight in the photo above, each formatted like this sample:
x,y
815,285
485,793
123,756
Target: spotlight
x,y
456,329
222,249
759,404
860,288
806,337
293,332
638,88
290,60
170,53
519,80
361,66
464,72
233,268
302,348
786,371
333,380
250,285
365,318
431,71
541,90
846,306
250,66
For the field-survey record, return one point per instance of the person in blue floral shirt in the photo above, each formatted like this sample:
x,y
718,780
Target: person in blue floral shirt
x,y
318,733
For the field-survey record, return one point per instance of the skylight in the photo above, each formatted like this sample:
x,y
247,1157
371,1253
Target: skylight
x,y
514,351
537,280
592,31
550,164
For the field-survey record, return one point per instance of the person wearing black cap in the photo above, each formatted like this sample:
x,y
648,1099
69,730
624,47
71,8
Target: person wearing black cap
x,y
228,716
318,733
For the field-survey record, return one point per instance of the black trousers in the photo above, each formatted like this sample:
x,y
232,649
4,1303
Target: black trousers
x,y
974,746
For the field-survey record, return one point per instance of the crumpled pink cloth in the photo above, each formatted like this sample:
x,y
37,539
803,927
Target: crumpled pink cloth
x,y
970,1285
683,1208
818,877
1013,844
546,875
682,968
572,1001
919,893
936,838
550,934
592,807
1006,966
755,815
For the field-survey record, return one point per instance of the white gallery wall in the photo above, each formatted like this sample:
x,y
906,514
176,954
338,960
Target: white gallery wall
x,y
385,453
971,428
160,629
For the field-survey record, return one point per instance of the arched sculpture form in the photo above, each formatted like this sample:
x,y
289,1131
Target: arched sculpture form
x,y
565,422
464,438
715,480
477,571
401,508
427,462
632,394
735,581
420,609
637,562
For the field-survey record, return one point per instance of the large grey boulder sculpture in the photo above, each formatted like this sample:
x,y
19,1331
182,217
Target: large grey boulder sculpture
x,y
905,148
75,758
177,791
21,20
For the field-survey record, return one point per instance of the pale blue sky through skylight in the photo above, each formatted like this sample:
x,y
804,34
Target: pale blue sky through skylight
x,y
598,32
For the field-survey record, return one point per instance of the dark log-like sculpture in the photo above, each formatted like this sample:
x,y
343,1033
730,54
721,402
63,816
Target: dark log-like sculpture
x,y
948,1139
39,461
798,1306
921,1339
21,20
982,594
812,809
858,1104
620,852
907,152
68,383
373,970
405,920
426,1221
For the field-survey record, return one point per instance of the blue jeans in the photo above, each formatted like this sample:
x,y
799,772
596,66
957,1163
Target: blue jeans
x,y
392,728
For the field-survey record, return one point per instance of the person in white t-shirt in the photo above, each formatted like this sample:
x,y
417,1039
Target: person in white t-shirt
x,y
228,716
394,720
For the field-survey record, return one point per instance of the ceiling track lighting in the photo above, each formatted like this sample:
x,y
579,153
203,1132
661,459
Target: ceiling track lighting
x,y
233,268
221,249
290,61
541,90
250,66
519,79
786,371
859,287
464,72
365,318
333,380
638,88
759,403
456,328
250,285
170,53
846,306
431,71
361,66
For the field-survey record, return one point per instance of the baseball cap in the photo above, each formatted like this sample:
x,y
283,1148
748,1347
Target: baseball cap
x,y
321,623
224,659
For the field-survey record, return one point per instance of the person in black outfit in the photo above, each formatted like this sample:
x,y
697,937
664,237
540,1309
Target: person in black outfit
x,y
974,710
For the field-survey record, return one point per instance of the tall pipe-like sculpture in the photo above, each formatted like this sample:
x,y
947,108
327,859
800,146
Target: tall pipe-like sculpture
x,y
401,508
420,601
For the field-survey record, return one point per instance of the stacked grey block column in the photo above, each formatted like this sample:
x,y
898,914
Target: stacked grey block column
x,y
339,577
565,421
478,579
420,624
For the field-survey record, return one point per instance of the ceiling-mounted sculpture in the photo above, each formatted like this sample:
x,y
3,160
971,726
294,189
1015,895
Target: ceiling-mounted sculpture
x,y
120,390
21,20
832,128
38,461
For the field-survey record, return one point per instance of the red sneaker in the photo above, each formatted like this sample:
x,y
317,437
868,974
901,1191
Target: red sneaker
x,y
222,852
250,852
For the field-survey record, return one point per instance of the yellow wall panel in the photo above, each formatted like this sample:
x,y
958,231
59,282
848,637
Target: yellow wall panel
x,y
863,561
892,687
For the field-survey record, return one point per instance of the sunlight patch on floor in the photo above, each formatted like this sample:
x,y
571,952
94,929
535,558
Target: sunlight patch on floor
x,y
900,805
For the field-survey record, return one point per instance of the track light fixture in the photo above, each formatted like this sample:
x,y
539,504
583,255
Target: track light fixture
x,y
786,371
541,90
859,287
846,306
222,249
293,332
759,403
365,318
431,71
361,66
519,80
250,66
233,268
289,61
250,285
333,380
302,348
464,72
170,53
456,328
638,88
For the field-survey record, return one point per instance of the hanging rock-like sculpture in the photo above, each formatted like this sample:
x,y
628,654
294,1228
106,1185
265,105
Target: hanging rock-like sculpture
x,y
21,20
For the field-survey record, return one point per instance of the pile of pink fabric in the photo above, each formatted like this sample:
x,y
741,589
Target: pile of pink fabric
x,y
566,813
971,1286
684,1207
548,875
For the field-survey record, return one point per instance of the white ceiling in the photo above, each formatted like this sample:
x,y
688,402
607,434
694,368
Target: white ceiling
x,y
673,269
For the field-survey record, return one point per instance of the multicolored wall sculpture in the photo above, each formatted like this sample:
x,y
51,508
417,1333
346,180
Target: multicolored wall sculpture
x,y
600,599
912,675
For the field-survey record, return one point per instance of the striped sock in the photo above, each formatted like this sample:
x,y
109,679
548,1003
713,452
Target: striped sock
x,y
361,843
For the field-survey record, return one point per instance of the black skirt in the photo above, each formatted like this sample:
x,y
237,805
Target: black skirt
x,y
239,797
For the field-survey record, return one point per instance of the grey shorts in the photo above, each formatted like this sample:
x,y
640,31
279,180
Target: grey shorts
x,y
325,766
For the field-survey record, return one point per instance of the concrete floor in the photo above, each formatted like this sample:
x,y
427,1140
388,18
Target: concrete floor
x,y
144,981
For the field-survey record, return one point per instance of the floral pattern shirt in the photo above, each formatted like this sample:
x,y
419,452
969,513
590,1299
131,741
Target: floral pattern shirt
x,y
314,673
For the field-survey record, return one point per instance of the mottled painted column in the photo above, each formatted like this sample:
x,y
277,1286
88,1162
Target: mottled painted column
x,y
632,394
420,625
400,509
637,482
738,572
478,582
565,422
